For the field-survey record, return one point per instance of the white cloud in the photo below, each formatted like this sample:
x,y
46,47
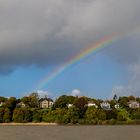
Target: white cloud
x,y
43,93
133,86
76,92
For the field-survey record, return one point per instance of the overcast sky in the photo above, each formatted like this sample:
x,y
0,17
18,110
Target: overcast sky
x,y
47,33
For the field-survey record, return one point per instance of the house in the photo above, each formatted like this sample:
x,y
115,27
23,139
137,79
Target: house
x,y
91,103
45,103
69,105
21,104
133,104
117,106
2,103
105,105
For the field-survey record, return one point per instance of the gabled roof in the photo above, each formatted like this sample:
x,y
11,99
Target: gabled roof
x,y
48,99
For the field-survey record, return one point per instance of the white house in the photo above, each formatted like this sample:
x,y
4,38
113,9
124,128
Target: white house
x,y
69,105
21,104
133,104
2,103
90,103
45,102
117,106
105,105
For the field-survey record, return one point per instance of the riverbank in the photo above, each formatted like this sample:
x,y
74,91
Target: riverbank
x,y
28,124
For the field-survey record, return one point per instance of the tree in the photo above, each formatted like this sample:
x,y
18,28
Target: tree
x,y
138,99
115,97
81,104
3,99
18,115
26,101
36,116
34,100
11,103
91,113
1,114
101,114
131,98
111,114
7,115
112,103
61,102
27,115
72,115
31,101
123,101
137,114
122,115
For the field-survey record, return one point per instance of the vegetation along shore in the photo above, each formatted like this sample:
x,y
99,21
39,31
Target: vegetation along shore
x,y
33,110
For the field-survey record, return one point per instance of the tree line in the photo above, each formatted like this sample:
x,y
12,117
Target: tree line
x,y
60,113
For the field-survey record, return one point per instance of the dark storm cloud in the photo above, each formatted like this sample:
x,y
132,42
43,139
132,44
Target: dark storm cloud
x,y
48,32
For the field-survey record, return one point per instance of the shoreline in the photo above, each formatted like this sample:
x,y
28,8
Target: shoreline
x,y
57,124
28,124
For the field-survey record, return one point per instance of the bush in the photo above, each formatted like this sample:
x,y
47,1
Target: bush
x,y
105,122
36,116
137,115
101,115
7,115
18,115
1,114
66,119
131,122
27,115
112,121
100,122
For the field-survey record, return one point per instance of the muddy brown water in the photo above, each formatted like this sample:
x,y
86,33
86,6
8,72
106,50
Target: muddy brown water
x,y
69,132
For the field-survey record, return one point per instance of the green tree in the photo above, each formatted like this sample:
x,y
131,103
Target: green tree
x,y
34,100
3,99
122,115
123,101
137,114
72,115
18,115
111,114
7,115
11,103
115,97
101,114
26,100
31,101
36,116
81,104
61,102
91,113
27,115
1,114
131,98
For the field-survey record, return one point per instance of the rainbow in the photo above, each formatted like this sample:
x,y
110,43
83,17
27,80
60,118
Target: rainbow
x,y
91,50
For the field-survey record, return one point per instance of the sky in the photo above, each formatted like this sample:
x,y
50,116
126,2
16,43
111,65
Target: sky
x,y
37,37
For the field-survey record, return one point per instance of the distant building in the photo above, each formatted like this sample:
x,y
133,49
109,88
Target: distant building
x,y
69,105
117,106
91,103
105,105
45,103
2,103
21,104
133,104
